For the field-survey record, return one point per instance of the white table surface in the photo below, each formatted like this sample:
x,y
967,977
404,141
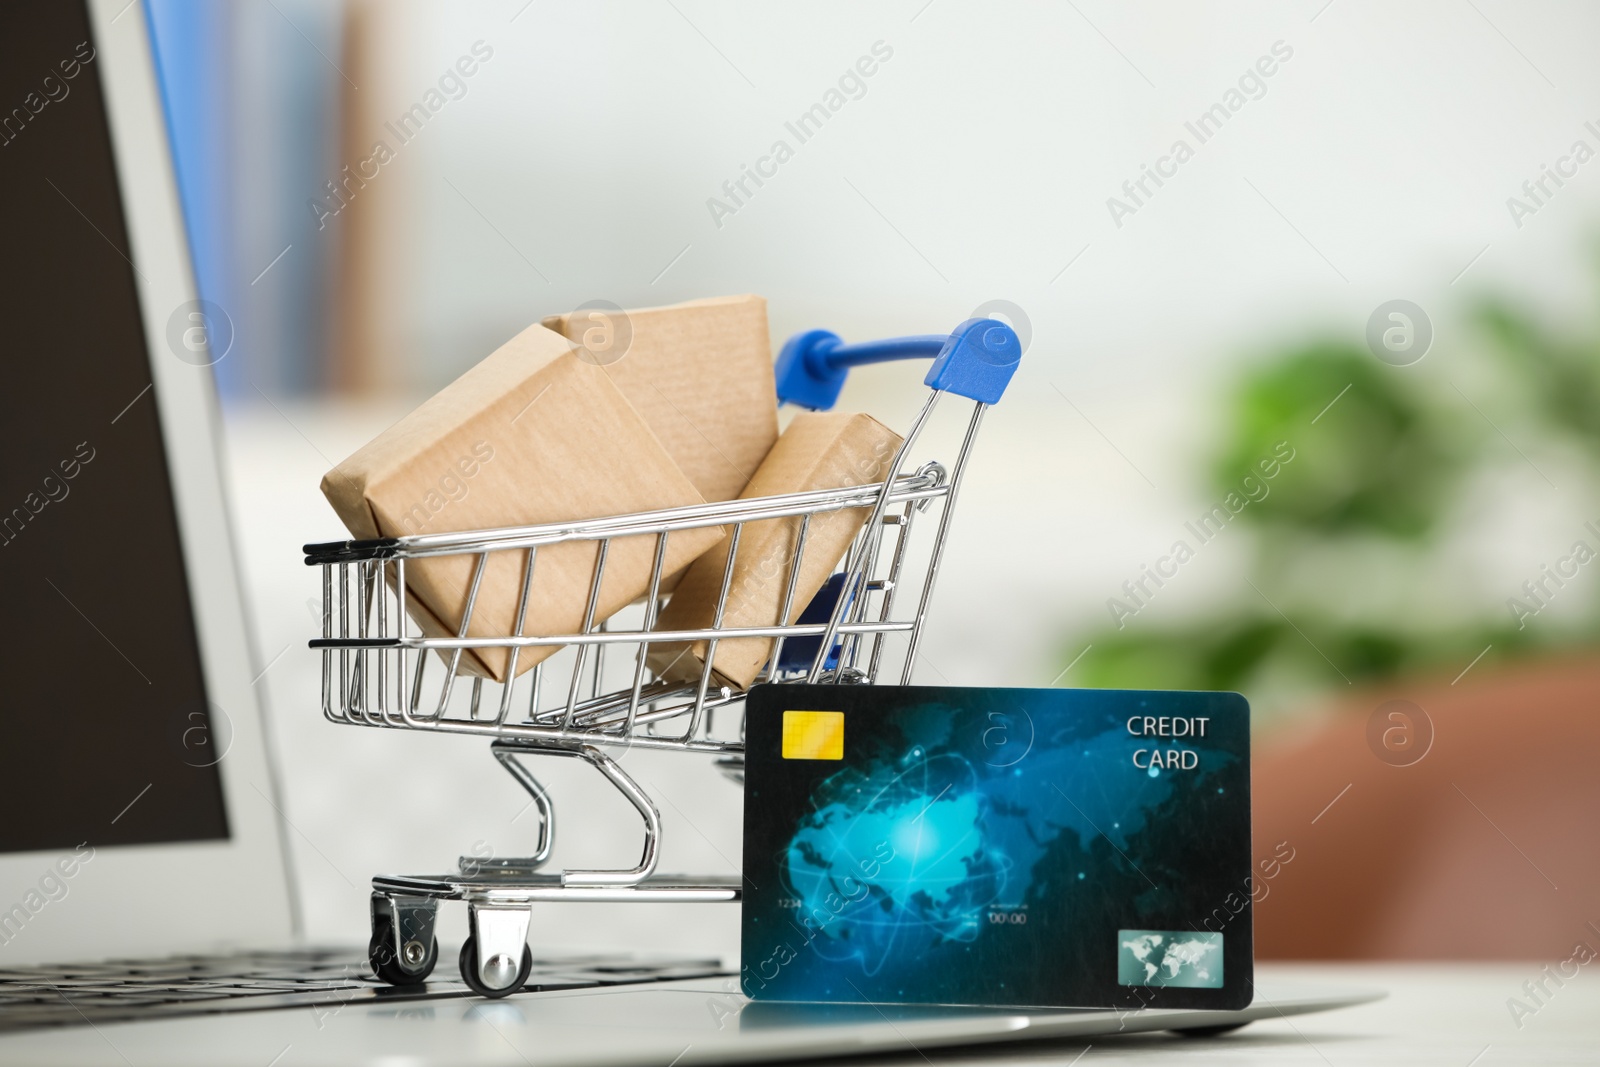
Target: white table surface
x,y
1450,1015
1446,1015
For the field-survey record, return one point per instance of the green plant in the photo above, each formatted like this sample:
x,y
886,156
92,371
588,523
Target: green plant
x,y
1356,520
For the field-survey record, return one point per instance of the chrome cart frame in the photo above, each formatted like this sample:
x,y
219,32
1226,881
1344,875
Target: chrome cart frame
x,y
378,672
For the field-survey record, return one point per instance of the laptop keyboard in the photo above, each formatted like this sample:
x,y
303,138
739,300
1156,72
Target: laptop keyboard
x,y
325,980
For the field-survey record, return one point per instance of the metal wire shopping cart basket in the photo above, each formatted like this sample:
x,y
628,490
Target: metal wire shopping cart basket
x,y
377,671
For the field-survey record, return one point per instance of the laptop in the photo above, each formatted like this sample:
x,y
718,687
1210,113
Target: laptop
x,y
147,909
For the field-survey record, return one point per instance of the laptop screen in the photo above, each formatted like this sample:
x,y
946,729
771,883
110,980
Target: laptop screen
x,y
106,735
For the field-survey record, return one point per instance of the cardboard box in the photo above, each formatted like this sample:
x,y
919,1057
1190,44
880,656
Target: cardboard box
x,y
533,434
700,373
819,450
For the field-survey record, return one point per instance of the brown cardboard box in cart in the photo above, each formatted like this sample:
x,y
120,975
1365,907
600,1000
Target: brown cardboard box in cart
x,y
699,373
819,450
532,434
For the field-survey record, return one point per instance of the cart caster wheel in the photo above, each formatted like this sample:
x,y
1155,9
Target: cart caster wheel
x,y
469,971
1211,1031
380,953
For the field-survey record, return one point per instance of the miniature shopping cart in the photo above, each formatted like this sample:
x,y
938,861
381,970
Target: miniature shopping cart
x,y
594,696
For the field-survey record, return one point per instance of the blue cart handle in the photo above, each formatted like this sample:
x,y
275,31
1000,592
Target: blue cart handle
x,y
976,361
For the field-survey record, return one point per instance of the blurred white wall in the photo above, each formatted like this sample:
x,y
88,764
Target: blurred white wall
x,y
977,164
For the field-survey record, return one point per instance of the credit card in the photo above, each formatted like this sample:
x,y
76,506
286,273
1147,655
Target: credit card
x,y
1027,847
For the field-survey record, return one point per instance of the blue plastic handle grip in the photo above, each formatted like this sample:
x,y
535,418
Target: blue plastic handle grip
x,y
976,361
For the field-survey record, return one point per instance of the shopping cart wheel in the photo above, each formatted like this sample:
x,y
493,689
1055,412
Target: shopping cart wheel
x,y
381,954
469,971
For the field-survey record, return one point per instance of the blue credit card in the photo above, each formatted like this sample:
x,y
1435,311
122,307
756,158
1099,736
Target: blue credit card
x,y
1061,847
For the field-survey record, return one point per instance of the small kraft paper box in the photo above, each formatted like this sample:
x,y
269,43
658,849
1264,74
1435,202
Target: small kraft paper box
x,y
819,450
699,373
532,434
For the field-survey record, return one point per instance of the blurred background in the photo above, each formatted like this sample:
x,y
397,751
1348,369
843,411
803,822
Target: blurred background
x,y
1310,406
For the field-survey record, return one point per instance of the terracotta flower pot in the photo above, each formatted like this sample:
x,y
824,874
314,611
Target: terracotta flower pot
x,y
1463,823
